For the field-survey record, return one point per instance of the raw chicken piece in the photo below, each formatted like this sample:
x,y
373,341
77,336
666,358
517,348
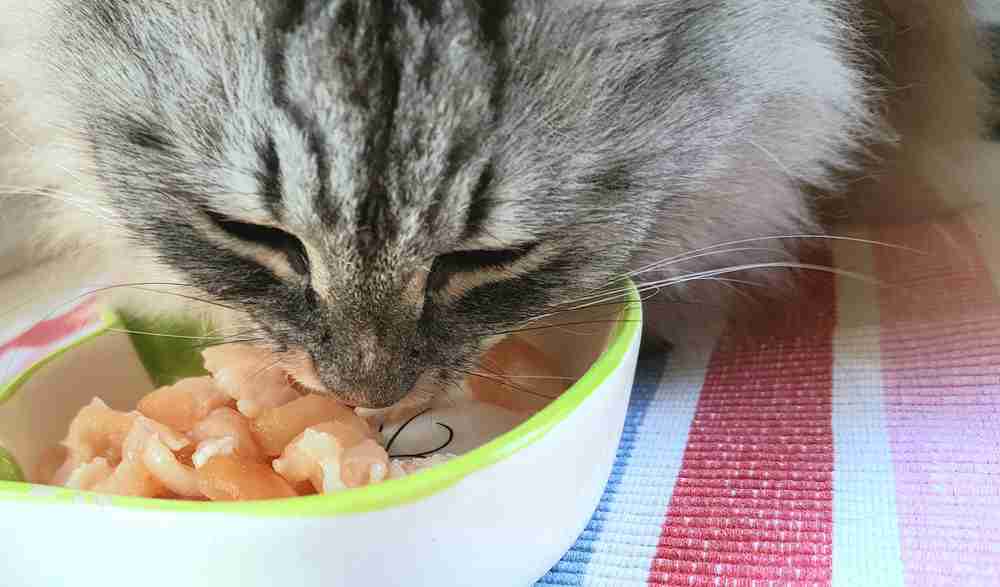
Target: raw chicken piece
x,y
183,404
174,440
88,475
333,456
363,464
97,431
226,478
352,430
313,456
161,462
276,427
187,442
213,447
148,464
132,477
250,375
227,422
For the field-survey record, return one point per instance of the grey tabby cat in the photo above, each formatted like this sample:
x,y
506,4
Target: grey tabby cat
x,y
389,185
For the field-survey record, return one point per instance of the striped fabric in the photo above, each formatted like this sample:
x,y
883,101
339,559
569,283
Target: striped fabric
x,y
853,440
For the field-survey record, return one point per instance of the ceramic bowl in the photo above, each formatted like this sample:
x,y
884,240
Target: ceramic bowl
x,y
501,514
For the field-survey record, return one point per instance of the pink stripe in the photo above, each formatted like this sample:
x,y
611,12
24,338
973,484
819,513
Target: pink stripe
x,y
45,338
54,329
941,377
753,502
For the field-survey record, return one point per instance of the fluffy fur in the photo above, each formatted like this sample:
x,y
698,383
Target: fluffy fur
x,y
391,185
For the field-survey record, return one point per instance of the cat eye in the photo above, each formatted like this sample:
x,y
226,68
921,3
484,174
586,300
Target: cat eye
x,y
267,236
446,265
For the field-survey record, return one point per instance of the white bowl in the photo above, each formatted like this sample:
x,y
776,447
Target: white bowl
x,y
501,514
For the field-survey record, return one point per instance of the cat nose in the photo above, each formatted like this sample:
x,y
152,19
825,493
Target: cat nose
x,y
303,371
367,361
368,382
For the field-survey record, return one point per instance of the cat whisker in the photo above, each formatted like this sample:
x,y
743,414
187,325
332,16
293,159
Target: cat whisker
x,y
498,379
622,295
623,292
263,370
621,304
541,377
713,273
202,347
63,197
238,331
691,256
31,149
64,304
617,308
754,266
187,297
161,334
621,301
559,325
234,333
96,290
774,238
493,371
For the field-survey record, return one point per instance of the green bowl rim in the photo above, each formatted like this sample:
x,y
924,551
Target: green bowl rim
x,y
384,495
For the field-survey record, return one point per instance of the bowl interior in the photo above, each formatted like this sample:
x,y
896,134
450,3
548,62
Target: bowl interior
x,y
587,346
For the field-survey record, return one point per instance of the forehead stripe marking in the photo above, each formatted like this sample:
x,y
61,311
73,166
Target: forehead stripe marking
x,y
382,72
270,178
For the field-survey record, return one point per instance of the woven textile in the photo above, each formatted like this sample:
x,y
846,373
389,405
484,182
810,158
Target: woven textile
x,y
853,440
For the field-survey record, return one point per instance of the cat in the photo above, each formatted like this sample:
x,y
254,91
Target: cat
x,y
387,187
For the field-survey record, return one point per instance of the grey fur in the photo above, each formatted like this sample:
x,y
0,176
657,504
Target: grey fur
x,y
385,138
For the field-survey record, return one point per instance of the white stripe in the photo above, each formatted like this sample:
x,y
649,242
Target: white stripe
x,y
866,549
626,547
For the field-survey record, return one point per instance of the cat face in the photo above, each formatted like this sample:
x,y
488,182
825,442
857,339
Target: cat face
x,y
387,187
343,172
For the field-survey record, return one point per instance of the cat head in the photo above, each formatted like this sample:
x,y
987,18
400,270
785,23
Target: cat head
x,y
353,176
388,187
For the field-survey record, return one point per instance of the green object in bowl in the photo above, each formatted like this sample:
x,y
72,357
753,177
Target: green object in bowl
x,y
170,350
9,470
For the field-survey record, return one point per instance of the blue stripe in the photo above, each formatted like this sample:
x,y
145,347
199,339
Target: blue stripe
x,y
572,569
